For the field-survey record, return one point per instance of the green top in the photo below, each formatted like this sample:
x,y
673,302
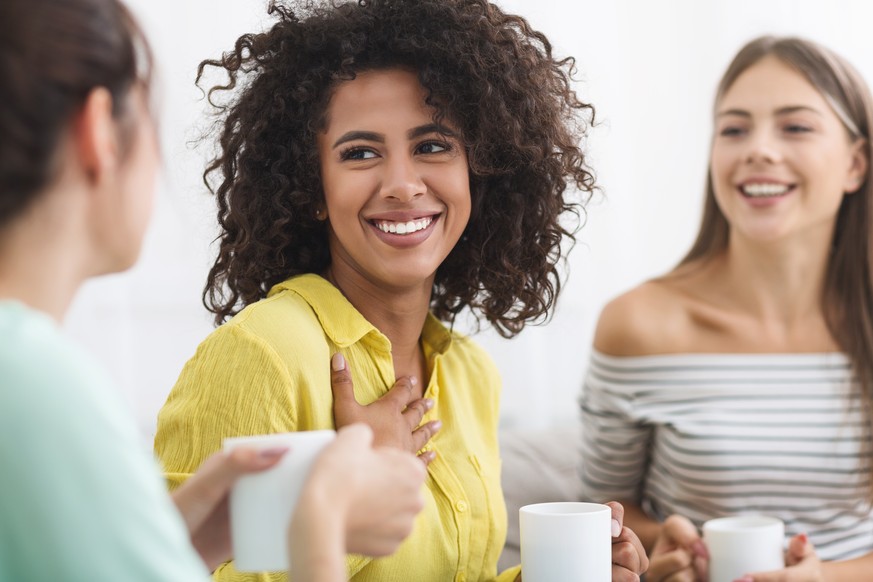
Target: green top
x,y
80,498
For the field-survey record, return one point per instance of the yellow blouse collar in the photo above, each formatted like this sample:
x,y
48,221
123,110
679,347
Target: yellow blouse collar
x,y
344,324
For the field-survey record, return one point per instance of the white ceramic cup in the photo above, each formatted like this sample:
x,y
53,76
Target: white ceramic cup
x,y
261,504
566,541
742,545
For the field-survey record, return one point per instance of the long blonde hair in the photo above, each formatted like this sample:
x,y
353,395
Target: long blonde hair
x,y
847,300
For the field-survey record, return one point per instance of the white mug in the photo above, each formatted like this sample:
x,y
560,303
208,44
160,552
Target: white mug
x,y
742,545
261,504
566,541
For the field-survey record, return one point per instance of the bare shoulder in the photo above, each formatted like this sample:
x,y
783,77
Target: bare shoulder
x,y
649,319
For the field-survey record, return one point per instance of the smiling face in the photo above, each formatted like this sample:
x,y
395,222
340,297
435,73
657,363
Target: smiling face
x,y
396,185
781,158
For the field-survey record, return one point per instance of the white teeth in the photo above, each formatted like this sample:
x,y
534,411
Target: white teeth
x,y
403,227
764,190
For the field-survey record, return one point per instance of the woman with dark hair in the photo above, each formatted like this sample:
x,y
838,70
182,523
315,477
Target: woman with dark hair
x,y
742,381
384,166
79,499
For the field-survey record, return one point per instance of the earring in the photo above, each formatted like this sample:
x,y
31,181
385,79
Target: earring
x,y
321,214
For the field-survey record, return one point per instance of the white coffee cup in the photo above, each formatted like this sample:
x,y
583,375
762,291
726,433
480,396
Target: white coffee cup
x,y
742,545
566,541
261,504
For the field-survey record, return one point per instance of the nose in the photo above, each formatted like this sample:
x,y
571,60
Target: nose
x,y
762,147
402,179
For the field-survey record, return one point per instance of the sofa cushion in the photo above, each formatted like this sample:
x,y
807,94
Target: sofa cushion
x,y
538,466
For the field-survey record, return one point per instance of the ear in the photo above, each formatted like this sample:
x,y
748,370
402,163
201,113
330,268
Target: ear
x,y
96,139
858,169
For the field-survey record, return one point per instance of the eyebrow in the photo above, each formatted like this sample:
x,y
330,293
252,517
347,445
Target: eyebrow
x,y
379,138
781,111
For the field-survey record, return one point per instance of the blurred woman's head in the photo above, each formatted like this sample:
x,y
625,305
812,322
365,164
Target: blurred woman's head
x,y
74,105
846,96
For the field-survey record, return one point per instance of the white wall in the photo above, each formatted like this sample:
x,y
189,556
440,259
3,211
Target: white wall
x,y
650,68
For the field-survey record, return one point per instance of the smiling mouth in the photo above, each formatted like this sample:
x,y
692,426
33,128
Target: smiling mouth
x,y
765,190
403,228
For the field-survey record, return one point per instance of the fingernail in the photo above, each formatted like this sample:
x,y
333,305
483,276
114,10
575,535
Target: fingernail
x,y
337,362
700,550
436,425
616,528
428,403
272,452
803,537
413,380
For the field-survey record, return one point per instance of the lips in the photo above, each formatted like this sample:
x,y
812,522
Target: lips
x,y
765,189
403,227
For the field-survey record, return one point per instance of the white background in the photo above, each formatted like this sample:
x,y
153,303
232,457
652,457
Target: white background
x,y
650,68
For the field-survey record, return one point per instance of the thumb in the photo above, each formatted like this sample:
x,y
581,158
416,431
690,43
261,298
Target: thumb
x,y
341,380
798,548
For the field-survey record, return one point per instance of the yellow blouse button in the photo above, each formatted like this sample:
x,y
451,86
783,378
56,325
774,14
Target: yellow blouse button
x,y
461,506
461,577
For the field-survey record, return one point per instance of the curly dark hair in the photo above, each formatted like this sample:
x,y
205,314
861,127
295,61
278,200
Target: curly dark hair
x,y
488,72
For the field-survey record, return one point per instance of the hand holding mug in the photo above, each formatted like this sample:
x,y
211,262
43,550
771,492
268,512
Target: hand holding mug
x,y
802,565
629,558
679,554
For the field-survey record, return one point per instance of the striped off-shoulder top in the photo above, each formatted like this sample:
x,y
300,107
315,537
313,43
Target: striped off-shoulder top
x,y
708,435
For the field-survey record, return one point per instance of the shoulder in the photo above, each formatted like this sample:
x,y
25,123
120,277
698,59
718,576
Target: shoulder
x,y
468,362
648,319
43,372
468,351
279,326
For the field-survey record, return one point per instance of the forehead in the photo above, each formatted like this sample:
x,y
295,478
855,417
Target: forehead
x,y
771,84
375,98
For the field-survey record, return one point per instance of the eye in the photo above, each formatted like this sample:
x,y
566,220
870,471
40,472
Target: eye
x,y
357,153
731,131
433,147
796,128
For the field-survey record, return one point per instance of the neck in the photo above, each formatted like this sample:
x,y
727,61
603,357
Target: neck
x,y
398,312
40,260
782,281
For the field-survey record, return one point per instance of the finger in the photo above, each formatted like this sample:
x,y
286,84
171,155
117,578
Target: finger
x,y
222,469
619,574
416,410
403,462
624,554
681,531
358,433
686,575
635,546
424,433
798,548
671,565
341,381
617,517
427,457
402,393
197,497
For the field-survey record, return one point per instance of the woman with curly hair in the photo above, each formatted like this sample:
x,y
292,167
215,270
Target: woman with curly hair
x,y
385,165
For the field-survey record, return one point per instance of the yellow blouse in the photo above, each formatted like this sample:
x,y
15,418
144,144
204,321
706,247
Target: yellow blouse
x,y
268,370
